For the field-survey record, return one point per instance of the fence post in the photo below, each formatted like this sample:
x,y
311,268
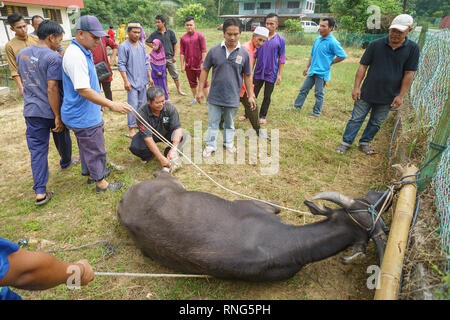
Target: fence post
x,y
441,136
388,285
422,36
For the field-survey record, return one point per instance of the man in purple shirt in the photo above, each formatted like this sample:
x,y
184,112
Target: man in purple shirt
x,y
39,67
270,60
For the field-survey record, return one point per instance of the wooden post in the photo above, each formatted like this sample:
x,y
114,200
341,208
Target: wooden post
x,y
441,136
392,265
422,36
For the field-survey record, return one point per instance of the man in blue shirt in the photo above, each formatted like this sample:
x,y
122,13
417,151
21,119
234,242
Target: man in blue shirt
x,y
325,52
135,71
39,67
81,110
30,270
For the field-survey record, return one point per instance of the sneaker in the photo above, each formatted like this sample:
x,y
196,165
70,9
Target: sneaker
x,y
313,115
207,153
193,101
112,186
231,149
107,172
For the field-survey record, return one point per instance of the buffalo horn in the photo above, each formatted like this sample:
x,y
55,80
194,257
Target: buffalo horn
x,y
336,197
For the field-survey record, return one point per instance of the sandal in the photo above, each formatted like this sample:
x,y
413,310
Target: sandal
x,y
48,196
367,149
342,149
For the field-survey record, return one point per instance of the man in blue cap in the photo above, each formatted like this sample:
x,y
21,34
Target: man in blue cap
x,y
81,108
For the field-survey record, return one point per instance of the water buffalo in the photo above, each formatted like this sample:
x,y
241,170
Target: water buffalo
x,y
200,233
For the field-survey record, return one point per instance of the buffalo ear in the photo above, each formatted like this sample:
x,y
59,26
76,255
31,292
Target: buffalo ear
x,y
315,210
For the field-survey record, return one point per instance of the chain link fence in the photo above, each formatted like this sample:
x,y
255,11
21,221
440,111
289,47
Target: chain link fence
x,y
429,96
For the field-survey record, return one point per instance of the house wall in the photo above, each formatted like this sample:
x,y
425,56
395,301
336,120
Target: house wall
x,y
282,10
34,10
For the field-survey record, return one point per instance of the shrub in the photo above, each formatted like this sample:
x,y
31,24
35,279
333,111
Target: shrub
x,y
293,25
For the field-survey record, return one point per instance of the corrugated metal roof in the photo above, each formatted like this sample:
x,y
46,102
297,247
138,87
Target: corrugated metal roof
x,y
53,3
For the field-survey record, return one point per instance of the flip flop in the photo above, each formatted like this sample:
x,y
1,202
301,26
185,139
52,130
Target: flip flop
x,y
367,149
342,149
47,198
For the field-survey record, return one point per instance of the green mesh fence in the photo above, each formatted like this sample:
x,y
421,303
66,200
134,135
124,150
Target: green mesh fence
x,y
428,96
357,40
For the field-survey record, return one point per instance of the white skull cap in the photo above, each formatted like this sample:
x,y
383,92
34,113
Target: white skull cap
x,y
262,31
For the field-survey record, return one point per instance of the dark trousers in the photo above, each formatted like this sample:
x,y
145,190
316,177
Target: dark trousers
x,y
139,148
251,115
107,89
268,89
91,143
38,136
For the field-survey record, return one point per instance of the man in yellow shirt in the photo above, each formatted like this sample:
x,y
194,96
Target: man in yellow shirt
x,y
21,40
121,33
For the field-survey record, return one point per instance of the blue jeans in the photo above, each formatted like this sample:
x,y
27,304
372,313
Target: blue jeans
x,y
214,116
360,110
319,92
38,136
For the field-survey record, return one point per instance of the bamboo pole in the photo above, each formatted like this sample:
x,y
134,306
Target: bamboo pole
x,y
392,265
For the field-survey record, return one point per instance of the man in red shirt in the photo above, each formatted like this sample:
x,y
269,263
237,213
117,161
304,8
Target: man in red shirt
x,y
111,33
192,54
101,55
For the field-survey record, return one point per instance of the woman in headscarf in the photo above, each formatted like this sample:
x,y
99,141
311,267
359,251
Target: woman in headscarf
x,y
158,65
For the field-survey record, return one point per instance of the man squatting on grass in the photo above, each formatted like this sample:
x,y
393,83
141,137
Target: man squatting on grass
x,y
164,118
231,65
393,61
30,270
39,67
325,52
80,110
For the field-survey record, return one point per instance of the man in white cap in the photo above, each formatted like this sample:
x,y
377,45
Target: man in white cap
x,y
260,35
393,61
80,110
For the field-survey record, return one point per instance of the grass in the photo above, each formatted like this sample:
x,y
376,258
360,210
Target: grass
x,y
308,165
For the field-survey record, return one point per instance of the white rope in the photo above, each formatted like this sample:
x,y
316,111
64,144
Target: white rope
x,y
163,139
151,275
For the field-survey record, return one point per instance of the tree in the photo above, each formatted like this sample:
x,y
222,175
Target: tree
x,y
371,16
293,25
195,10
